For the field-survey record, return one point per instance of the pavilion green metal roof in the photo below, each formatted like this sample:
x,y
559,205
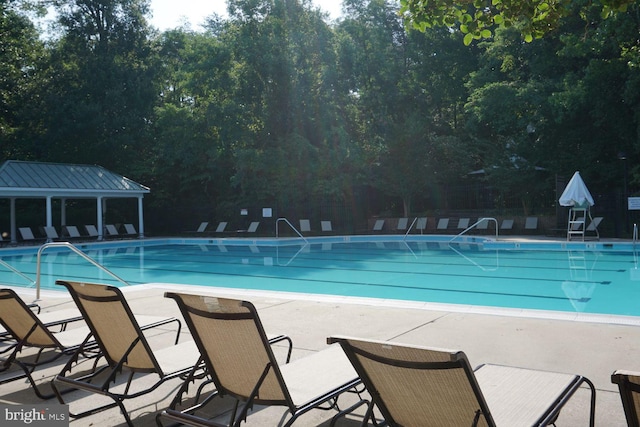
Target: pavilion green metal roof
x,y
40,179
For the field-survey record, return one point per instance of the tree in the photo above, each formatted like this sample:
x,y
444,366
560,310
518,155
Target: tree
x,y
190,163
291,96
100,95
407,92
21,55
477,19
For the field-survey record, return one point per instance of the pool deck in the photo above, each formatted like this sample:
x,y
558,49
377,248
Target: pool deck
x,y
594,350
591,347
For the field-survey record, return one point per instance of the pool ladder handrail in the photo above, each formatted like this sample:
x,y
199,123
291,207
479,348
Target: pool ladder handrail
x,y
77,251
292,227
635,234
410,227
474,225
16,271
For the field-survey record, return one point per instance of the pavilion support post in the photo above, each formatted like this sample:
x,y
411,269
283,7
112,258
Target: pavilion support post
x,y
140,218
99,220
49,215
12,207
63,212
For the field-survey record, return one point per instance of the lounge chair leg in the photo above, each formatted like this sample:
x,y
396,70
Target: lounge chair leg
x,y
184,388
348,410
254,393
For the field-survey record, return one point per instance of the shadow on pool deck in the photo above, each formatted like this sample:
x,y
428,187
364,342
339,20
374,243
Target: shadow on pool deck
x,y
594,350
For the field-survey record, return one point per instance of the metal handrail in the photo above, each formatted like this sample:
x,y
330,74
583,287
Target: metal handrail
x,y
475,263
292,227
77,251
474,225
635,234
410,227
291,258
18,272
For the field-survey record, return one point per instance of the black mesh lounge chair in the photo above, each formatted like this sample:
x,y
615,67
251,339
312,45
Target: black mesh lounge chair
x,y
629,386
419,386
241,363
124,348
25,331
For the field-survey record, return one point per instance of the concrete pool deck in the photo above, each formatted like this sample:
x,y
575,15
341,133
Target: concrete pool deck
x,y
593,349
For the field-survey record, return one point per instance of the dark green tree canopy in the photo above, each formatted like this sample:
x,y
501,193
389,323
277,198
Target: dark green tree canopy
x,y
274,106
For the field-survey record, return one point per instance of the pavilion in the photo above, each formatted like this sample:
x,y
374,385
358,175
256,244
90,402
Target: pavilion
x,y
48,181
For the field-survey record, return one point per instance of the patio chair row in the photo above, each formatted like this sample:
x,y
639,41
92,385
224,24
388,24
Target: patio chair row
x,y
222,228
25,329
71,232
453,224
403,225
408,385
457,225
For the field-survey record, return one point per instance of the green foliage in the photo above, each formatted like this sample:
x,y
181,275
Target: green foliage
x,y
98,91
478,19
20,55
275,107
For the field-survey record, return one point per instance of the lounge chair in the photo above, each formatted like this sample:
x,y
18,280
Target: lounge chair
x,y
305,226
506,225
55,321
221,227
51,233
531,223
629,386
29,330
593,227
443,224
253,227
111,230
421,224
416,386
326,226
71,231
241,363
379,224
483,224
124,348
92,231
402,224
463,223
202,227
130,230
27,234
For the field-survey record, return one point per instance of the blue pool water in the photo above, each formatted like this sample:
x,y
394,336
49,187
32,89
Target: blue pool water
x,y
585,278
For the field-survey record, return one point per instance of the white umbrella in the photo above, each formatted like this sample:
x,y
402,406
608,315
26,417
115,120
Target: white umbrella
x,y
576,193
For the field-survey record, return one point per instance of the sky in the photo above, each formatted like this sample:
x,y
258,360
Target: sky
x,y
168,14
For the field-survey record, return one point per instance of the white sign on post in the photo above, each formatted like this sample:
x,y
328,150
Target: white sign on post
x,y
633,203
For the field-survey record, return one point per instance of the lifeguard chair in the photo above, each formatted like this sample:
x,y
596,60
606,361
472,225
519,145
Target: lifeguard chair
x,y
579,217
577,197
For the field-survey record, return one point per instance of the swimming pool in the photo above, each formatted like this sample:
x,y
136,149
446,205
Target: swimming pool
x,y
584,277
